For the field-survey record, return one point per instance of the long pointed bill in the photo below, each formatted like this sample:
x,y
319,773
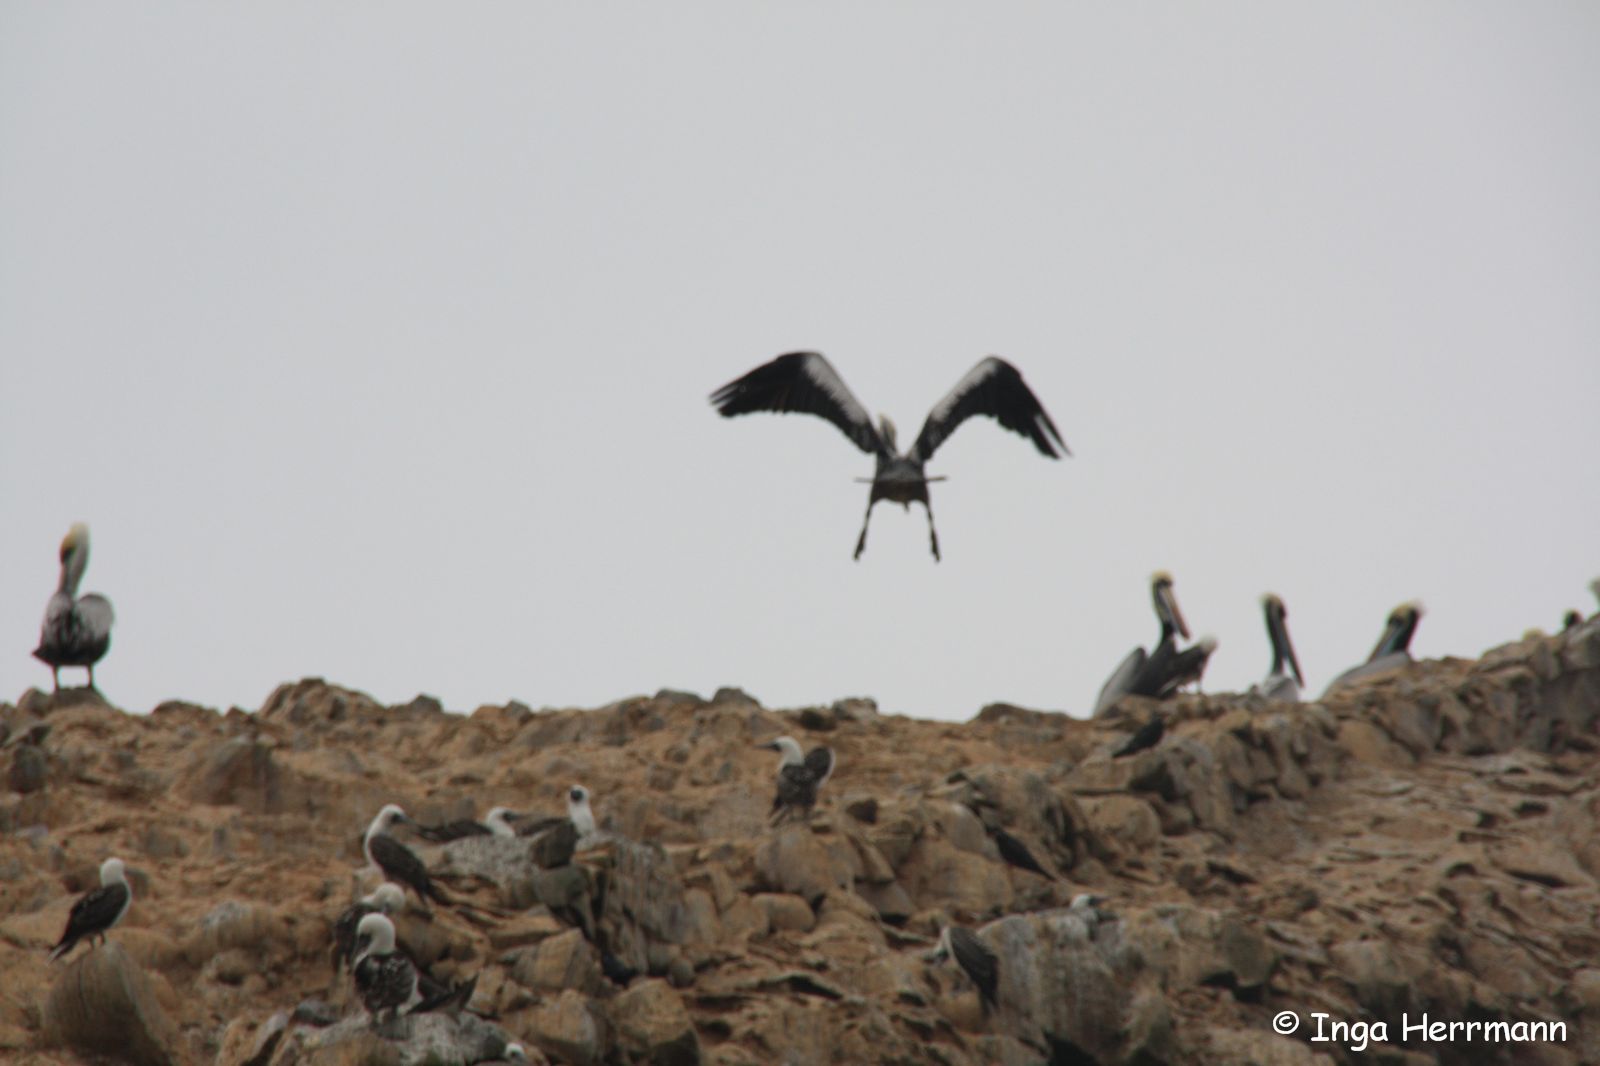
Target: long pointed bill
x,y
1393,632
1168,608
1280,638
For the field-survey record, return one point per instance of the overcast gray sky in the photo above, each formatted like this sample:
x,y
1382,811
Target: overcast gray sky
x,y
373,340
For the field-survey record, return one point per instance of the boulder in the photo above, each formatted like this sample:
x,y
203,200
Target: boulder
x,y
652,1026
102,1003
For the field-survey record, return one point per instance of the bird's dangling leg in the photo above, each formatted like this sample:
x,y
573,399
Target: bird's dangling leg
x,y
91,677
861,542
933,534
55,677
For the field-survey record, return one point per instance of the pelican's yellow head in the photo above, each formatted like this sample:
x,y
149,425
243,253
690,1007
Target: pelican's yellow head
x,y
77,539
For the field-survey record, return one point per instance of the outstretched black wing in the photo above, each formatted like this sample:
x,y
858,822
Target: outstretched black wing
x,y
1147,736
995,388
443,834
980,964
797,788
820,762
801,382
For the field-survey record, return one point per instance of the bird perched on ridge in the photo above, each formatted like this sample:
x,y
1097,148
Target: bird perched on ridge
x,y
980,964
1283,681
1016,853
389,898
385,978
398,862
1146,736
1132,667
806,382
557,839
96,910
1393,649
76,629
497,822
800,777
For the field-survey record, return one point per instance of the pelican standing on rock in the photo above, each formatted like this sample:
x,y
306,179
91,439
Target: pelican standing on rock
x,y
800,777
1122,679
1393,649
77,629
97,911
1283,681
806,382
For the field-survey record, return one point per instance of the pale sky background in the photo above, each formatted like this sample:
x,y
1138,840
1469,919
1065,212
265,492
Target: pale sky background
x,y
373,340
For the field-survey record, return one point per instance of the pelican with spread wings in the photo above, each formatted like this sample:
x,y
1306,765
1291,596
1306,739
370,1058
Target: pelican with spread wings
x,y
806,382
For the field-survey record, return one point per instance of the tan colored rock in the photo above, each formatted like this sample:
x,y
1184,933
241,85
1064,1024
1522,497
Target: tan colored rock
x,y
102,1003
564,961
567,1030
804,863
786,913
652,1025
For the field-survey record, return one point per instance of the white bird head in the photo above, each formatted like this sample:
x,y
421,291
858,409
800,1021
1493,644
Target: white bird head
x,y
387,819
515,1053
499,821
387,897
374,936
112,872
788,750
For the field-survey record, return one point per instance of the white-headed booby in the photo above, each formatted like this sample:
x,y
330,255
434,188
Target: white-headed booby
x,y
97,910
384,977
387,898
800,776
398,862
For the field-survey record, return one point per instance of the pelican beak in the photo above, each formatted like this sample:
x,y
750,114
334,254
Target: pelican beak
x,y
1280,636
1169,608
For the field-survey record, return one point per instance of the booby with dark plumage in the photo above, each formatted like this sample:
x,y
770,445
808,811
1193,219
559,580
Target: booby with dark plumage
x,y
495,823
806,382
1393,649
385,978
557,839
398,862
1283,681
1146,736
77,629
1016,853
97,910
800,777
388,898
1165,602
980,964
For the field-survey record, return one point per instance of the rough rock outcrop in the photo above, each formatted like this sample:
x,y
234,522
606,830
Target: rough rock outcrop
x,y
1426,841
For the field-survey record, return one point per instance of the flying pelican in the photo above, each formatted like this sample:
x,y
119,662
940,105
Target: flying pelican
x,y
77,629
974,958
806,382
1393,649
1280,684
96,911
800,777
1172,626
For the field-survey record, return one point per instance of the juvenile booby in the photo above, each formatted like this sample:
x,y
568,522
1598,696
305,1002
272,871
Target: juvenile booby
x,y
1393,649
77,629
398,862
557,839
974,958
1146,736
799,777
496,823
806,382
1165,601
1281,684
388,898
385,979
97,910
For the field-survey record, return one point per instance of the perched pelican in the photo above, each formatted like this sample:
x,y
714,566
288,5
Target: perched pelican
x,y
975,959
496,823
557,839
1172,626
806,382
1393,649
1164,674
1280,684
800,777
389,898
98,910
77,629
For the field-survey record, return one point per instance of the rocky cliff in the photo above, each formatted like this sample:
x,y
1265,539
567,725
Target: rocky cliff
x,y
1424,843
